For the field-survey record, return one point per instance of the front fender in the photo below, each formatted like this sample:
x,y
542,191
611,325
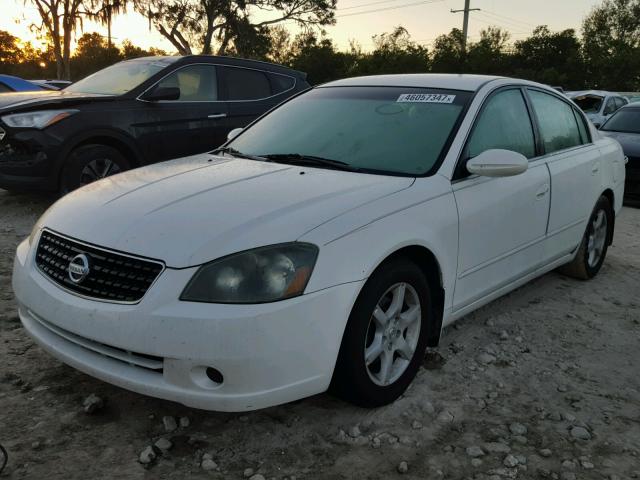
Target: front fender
x,y
354,244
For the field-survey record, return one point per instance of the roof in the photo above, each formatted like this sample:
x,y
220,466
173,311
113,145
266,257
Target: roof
x,y
18,84
469,83
599,93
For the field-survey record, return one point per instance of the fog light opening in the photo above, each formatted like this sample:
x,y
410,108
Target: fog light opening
x,y
214,375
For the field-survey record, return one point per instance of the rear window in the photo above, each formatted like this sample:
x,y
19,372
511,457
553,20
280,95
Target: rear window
x,y
378,129
558,124
589,103
247,84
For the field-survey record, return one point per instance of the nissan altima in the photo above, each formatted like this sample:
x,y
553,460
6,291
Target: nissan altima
x,y
323,247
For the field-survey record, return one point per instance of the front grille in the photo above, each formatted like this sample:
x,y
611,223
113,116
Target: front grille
x,y
112,276
149,362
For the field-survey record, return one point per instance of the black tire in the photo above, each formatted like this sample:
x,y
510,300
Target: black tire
x,y
351,378
580,267
77,169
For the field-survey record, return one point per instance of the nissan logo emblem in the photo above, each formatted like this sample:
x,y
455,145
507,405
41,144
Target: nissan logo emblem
x,y
79,268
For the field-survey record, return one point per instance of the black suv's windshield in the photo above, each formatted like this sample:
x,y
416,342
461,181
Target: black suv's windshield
x,y
626,120
122,77
395,130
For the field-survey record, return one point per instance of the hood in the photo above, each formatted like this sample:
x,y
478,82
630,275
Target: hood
x,y
29,100
193,210
630,142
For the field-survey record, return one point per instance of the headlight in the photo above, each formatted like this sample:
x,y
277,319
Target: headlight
x,y
41,119
266,274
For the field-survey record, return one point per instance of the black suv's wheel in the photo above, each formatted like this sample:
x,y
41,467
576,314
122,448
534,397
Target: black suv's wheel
x,y
593,249
386,336
89,163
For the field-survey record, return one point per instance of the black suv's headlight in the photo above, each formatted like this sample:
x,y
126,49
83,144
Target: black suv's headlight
x,y
261,275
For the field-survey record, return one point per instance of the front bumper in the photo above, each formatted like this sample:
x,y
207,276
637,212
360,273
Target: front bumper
x,y
28,159
268,354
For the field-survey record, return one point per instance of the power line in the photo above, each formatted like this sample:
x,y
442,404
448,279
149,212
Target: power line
x,y
424,2
365,5
508,18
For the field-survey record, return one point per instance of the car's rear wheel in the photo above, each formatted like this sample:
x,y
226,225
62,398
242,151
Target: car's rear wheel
x,y
386,336
89,163
594,245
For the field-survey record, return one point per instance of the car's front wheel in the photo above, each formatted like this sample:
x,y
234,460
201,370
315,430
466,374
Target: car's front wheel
x,y
386,336
89,163
595,242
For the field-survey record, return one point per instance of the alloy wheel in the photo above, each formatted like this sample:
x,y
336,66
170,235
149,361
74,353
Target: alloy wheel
x,y
97,169
597,238
393,334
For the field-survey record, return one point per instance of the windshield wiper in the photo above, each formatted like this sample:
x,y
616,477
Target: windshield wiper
x,y
310,160
237,153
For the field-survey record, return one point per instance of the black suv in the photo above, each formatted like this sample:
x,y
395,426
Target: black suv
x,y
133,113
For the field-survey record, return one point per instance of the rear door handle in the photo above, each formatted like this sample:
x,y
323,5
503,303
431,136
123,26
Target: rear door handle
x,y
595,168
217,115
542,191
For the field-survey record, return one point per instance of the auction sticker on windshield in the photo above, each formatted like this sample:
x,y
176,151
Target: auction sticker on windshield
x,y
426,98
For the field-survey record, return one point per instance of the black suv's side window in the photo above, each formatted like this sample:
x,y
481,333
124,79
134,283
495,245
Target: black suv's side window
x,y
281,83
4,88
197,83
504,123
558,125
246,84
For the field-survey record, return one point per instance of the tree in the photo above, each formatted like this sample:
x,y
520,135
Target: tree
x,y
189,24
395,52
92,54
448,54
104,10
59,20
10,52
551,58
488,55
611,39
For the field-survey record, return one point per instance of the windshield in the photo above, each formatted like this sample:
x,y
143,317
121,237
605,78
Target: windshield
x,y
626,120
122,77
589,103
373,129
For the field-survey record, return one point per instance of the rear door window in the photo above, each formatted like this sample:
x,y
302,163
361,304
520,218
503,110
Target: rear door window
x,y
504,123
246,84
558,125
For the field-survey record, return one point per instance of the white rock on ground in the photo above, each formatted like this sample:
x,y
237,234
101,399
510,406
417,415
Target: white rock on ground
x,y
184,422
164,444
169,423
248,472
475,451
403,467
92,404
257,476
510,461
580,433
517,429
147,455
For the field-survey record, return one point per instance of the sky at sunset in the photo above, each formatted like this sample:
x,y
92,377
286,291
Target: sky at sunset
x,y
359,20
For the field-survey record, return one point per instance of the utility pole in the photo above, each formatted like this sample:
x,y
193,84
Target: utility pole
x,y
465,22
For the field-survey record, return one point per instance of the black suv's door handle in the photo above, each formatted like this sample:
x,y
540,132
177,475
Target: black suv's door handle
x,y
217,115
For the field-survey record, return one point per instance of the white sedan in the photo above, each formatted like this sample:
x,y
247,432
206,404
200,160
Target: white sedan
x,y
325,246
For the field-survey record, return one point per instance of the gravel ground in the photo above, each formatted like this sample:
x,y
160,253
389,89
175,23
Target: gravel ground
x,y
543,383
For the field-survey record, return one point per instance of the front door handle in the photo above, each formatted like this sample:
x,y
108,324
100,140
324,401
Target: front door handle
x,y
217,115
542,191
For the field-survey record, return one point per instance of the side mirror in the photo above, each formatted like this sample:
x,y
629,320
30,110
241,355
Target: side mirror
x,y
234,133
498,163
162,93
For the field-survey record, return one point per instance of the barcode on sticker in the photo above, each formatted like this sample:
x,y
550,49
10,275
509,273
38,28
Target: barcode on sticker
x,y
426,98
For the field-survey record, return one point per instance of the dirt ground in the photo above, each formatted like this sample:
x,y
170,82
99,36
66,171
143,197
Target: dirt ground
x,y
543,383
